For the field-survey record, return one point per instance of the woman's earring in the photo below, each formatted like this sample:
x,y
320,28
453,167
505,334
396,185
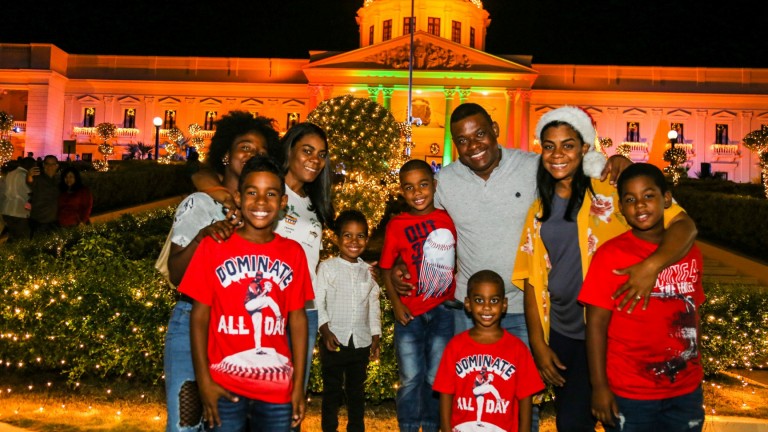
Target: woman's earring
x,y
225,159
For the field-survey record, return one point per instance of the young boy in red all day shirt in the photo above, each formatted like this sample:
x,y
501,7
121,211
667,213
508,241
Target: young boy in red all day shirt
x,y
425,239
645,365
245,290
487,376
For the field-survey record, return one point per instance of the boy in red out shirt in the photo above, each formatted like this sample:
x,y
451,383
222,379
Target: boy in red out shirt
x,y
246,290
425,239
645,366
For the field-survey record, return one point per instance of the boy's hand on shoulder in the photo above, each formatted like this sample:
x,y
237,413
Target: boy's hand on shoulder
x,y
604,406
210,392
375,348
642,279
219,231
299,406
402,313
329,339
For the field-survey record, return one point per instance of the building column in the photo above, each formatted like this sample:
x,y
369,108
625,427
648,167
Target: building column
x,y
702,145
447,141
524,111
326,92
387,94
314,92
510,95
45,117
109,109
373,93
464,94
148,127
745,169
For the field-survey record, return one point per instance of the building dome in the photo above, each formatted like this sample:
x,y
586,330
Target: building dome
x,y
477,3
460,21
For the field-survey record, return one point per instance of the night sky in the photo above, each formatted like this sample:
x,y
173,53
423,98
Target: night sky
x,y
620,32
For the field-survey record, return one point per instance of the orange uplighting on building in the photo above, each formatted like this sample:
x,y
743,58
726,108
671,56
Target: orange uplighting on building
x,y
56,96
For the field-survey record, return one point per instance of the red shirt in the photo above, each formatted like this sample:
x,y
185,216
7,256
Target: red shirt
x,y
74,208
491,378
250,288
652,353
427,245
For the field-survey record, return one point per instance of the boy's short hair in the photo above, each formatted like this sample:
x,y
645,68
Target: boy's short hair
x,y
642,169
488,276
349,216
261,164
414,165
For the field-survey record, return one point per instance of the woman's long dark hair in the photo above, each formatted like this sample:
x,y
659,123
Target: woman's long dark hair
x,y
545,183
318,191
78,180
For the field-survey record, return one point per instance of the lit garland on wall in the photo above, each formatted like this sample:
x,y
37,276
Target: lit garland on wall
x,y
757,141
367,147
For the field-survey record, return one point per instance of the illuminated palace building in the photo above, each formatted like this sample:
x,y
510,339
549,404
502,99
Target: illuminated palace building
x,y
56,96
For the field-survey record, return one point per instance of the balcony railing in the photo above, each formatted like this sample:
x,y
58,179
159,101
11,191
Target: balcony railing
x,y
688,147
19,127
121,132
726,151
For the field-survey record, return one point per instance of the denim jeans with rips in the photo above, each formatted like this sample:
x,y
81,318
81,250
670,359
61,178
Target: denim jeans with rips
x,y
181,393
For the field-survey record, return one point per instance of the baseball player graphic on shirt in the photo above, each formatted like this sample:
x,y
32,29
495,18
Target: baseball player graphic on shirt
x,y
256,299
482,387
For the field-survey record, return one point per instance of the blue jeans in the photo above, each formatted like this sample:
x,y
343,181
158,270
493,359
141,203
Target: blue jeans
x,y
677,414
418,347
312,320
513,323
182,398
261,416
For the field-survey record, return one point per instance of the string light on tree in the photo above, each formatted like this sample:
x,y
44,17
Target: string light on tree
x,y
105,131
757,141
6,147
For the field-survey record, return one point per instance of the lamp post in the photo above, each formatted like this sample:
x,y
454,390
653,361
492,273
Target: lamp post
x,y
157,122
672,135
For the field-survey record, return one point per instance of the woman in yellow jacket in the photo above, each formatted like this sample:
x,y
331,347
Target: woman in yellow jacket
x,y
574,214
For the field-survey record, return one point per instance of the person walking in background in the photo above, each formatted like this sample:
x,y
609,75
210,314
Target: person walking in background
x,y
645,366
15,209
75,200
349,315
44,196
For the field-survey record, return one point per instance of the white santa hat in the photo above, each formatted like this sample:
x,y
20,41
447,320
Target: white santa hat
x,y
581,122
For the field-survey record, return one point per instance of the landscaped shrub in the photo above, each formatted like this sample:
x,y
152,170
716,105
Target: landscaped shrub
x,y
89,302
129,183
731,220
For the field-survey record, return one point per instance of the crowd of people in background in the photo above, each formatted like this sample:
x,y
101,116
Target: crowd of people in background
x,y
38,197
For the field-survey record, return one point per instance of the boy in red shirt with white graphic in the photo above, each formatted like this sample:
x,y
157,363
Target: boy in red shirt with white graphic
x,y
425,239
246,289
487,376
645,365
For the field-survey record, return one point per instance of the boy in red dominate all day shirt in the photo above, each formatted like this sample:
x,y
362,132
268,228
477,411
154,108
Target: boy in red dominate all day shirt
x,y
644,366
487,376
245,290
425,239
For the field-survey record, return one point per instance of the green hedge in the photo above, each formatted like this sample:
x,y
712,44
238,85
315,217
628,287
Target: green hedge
x,y
130,183
736,221
88,302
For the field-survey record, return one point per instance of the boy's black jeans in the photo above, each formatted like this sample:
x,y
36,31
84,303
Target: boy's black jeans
x,y
344,374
